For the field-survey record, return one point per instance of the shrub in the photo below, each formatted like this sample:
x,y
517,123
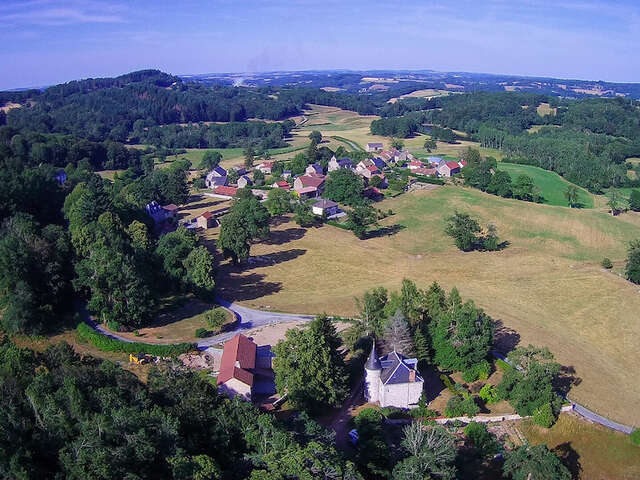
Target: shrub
x,y
202,332
489,393
606,263
108,344
482,439
480,371
458,407
635,436
544,416
423,411
504,366
216,318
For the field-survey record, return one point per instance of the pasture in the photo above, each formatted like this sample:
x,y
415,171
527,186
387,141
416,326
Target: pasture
x,y
545,288
552,186
589,451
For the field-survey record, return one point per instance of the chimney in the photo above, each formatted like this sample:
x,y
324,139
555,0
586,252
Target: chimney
x,y
412,375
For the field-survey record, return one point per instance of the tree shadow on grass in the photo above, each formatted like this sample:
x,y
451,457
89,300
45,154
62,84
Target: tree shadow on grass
x,y
505,339
570,458
279,220
250,286
171,315
566,379
274,258
385,231
280,237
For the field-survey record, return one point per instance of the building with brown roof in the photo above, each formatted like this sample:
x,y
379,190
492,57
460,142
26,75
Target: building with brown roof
x,y
245,369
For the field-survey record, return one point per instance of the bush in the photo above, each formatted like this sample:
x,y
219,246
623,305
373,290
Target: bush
x,y
458,407
606,263
544,416
108,344
482,439
423,411
504,366
216,318
202,332
635,436
489,393
479,371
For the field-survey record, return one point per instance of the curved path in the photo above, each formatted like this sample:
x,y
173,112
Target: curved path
x,y
247,319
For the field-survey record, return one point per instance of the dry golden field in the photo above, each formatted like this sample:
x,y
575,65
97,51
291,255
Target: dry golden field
x,y
590,451
547,285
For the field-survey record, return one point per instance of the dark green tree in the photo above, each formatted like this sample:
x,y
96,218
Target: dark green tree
x,y
246,221
210,160
500,184
278,201
632,270
534,462
316,137
462,335
344,186
463,229
571,194
360,218
310,368
634,200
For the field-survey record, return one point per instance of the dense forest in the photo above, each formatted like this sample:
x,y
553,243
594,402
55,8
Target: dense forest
x,y
64,416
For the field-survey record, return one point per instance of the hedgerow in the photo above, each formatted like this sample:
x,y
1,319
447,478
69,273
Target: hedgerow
x,y
107,344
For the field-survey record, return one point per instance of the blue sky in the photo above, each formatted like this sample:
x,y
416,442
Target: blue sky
x,y
52,41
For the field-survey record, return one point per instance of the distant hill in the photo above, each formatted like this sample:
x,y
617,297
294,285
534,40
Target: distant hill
x,y
382,80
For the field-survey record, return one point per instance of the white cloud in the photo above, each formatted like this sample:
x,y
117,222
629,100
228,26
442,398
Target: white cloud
x,y
49,13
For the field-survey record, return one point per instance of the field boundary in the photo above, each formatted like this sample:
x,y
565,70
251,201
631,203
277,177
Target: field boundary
x,y
354,145
581,410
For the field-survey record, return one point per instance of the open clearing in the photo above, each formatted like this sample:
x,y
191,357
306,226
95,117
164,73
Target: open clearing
x,y
546,109
426,93
552,186
590,451
547,285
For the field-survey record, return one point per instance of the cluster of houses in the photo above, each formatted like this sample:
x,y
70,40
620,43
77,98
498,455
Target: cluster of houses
x,y
392,380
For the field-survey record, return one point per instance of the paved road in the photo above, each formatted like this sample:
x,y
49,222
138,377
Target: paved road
x,y
248,318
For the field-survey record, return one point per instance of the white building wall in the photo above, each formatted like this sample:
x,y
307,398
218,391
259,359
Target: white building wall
x,y
400,395
372,385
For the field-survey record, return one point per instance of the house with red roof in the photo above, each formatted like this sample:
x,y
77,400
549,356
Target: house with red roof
x,y
282,184
225,191
448,169
245,369
309,181
265,167
415,164
206,220
427,172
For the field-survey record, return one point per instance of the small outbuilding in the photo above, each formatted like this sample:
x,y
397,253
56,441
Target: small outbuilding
x,y
325,207
206,220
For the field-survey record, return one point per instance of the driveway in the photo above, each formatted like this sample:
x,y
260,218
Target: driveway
x,y
248,318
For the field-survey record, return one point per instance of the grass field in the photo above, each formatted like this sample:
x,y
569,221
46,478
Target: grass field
x,y
547,285
551,185
591,452
546,109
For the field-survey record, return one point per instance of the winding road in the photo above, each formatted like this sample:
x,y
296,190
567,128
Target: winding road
x,y
248,318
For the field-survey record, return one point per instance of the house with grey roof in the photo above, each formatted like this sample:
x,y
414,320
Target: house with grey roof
x,y
392,380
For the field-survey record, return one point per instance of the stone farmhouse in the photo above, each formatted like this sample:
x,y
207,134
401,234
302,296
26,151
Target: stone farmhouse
x,y
392,380
310,185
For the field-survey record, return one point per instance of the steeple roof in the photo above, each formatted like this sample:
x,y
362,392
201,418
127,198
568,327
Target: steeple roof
x,y
373,362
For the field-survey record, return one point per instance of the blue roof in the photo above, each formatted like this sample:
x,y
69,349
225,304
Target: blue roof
x,y
220,171
345,162
396,368
378,162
